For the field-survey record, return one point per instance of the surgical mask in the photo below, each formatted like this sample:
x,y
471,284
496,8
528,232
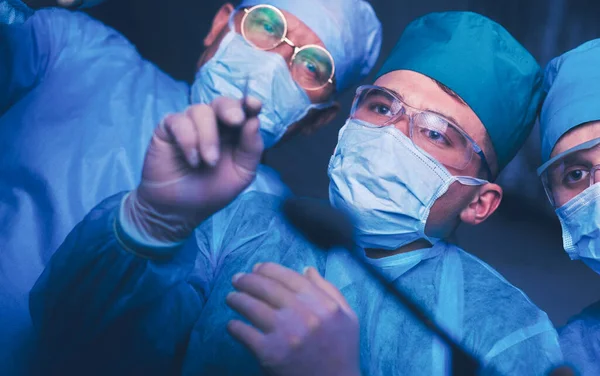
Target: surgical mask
x,y
386,184
284,102
580,221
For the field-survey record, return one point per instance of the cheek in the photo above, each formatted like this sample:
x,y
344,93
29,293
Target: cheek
x,y
445,212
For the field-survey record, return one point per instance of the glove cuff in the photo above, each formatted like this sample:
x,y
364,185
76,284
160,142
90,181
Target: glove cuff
x,y
145,232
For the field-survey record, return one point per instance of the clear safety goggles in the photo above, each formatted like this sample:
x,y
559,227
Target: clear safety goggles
x,y
265,27
437,136
569,174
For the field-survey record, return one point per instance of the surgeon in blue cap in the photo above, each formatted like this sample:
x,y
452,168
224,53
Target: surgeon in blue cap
x,y
79,105
570,131
151,282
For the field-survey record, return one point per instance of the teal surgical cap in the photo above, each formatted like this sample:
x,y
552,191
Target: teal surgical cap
x,y
349,29
482,63
572,82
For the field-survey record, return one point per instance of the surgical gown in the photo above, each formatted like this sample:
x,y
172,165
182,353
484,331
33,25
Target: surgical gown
x,y
78,106
102,308
580,341
13,11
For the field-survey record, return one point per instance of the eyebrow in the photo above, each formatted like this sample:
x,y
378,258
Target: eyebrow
x,y
453,120
579,158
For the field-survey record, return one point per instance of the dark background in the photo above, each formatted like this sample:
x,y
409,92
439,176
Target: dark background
x,y
523,241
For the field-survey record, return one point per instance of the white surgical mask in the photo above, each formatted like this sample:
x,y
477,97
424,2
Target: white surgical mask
x,y
387,184
284,101
580,221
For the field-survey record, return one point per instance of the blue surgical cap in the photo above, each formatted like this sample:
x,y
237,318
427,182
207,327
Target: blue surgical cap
x,y
349,29
572,82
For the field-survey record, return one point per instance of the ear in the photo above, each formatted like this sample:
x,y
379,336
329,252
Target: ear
x,y
319,118
483,205
220,22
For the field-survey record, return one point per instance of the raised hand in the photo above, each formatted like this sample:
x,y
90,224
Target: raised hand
x,y
198,161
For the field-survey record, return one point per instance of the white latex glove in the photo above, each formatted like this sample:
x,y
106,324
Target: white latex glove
x,y
302,325
197,163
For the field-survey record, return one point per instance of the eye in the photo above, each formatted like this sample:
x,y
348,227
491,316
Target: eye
x,y
435,137
574,176
380,109
309,67
268,28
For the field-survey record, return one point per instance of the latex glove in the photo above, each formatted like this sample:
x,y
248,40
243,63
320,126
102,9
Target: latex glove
x,y
197,163
302,325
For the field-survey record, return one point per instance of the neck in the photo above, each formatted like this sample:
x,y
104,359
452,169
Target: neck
x,y
381,253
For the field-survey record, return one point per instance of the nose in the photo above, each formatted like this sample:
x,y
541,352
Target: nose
x,y
403,124
285,50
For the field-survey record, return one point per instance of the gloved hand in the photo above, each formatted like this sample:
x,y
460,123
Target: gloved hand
x,y
197,163
302,323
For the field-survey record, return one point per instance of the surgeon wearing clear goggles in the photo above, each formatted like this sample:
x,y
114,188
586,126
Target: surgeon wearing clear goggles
x,y
439,137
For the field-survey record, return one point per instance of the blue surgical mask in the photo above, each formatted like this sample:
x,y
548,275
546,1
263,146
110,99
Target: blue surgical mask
x,y
284,101
580,221
387,184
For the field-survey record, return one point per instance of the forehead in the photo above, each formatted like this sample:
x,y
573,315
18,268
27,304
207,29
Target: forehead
x,y
577,136
422,92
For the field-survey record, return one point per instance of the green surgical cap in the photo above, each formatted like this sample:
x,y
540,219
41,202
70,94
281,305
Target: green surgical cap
x,y
481,62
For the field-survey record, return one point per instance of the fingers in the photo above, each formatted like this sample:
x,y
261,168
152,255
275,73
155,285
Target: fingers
x,y
196,132
257,312
230,112
247,335
252,106
207,130
264,289
313,275
180,130
307,297
249,150
287,277
69,3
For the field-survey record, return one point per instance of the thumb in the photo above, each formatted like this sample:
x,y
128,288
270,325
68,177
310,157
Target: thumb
x,y
330,290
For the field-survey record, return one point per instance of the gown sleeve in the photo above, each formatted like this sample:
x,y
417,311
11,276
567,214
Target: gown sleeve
x,y
104,307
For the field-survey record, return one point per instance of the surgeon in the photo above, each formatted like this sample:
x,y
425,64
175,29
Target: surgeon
x,y
148,281
570,131
79,105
